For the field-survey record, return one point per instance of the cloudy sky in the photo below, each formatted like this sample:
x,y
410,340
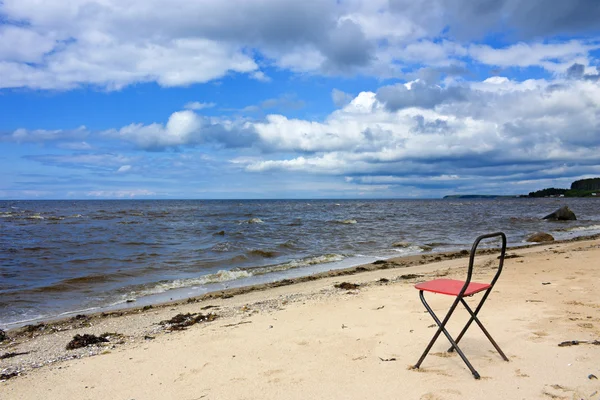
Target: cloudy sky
x,y
296,99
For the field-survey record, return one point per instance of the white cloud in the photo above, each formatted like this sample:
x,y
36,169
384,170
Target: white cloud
x,y
340,98
22,135
260,76
512,123
551,56
113,64
75,146
18,44
430,53
183,127
494,121
113,43
196,105
124,168
120,193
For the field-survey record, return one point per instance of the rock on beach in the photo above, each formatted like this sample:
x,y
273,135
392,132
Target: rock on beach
x,y
540,237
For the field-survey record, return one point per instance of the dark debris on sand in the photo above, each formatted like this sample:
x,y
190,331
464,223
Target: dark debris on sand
x,y
410,276
85,340
31,330
11,355
182,321
7,376
510,256
346,286
577,342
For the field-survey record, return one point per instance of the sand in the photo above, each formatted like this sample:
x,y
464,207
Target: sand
x,y
312,340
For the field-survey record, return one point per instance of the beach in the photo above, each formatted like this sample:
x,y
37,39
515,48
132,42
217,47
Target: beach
x,y
310,339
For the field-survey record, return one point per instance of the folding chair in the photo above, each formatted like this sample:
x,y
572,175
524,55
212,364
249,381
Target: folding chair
x,y
462,289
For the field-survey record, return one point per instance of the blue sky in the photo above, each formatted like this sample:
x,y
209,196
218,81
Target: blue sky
x,y
289,99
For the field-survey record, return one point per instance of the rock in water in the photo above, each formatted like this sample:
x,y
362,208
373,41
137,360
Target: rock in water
x,y
562,214
3,336
540,237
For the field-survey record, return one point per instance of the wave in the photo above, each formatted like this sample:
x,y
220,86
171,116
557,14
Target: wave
x,y
263,253
84,282
289,244
410,249
161,287
254,221
346,221
304,262
71,284
583,228
223,247
437,244
36,248
129,212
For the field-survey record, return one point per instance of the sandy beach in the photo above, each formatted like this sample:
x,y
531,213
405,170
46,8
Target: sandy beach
x,y
312,340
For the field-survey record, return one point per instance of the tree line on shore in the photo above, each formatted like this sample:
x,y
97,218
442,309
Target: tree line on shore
x,y
581,188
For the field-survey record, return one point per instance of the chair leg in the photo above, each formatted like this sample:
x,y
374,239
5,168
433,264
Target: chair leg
x,y
442,328
486,333
473,316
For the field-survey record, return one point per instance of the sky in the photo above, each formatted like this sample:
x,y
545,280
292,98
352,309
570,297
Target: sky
x,y
264,99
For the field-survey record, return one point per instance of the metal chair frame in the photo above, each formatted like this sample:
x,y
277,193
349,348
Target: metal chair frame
x,y
460,299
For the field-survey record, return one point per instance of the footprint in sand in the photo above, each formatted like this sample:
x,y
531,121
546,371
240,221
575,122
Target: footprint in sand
x,y
429,371
558,392
440,395
521,374
443,354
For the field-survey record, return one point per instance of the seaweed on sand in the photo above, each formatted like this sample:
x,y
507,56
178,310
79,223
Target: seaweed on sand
x,y
182,321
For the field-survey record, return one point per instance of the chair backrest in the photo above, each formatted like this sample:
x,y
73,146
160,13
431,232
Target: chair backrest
x,y
472,258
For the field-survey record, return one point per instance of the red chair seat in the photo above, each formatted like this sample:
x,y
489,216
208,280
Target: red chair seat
x,y
451,287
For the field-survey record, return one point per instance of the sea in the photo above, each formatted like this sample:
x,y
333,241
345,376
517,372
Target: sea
x,y
62,258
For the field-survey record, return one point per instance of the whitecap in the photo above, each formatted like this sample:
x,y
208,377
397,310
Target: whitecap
x,y
409,249
304,262
584,228
218,277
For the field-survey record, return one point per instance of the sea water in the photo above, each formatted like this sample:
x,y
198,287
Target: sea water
x,y
63,257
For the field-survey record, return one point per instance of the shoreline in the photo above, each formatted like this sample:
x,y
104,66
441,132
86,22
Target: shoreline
x,y
62,321
91,279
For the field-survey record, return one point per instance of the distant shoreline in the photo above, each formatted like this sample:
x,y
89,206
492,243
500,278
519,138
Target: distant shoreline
x,y
481,196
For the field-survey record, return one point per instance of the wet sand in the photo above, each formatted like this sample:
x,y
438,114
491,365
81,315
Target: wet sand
x,y
308,339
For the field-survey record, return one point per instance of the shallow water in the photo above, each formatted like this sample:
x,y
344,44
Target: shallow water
x,y
63,256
